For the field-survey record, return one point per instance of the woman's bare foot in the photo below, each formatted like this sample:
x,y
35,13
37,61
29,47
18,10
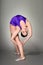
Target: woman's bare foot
x,y
21,58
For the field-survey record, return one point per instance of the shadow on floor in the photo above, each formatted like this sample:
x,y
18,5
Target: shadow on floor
x,y
33,53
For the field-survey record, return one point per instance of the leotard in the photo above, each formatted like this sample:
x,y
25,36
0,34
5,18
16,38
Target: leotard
x,y
15,20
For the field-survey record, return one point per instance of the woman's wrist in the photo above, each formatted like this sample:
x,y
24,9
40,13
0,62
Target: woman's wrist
x,y
27,39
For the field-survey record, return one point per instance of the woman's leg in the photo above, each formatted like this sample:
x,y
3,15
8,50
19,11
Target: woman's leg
x,y
12,29
20,46
16,46
17,42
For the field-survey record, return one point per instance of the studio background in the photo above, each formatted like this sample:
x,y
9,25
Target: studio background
x,y
33,10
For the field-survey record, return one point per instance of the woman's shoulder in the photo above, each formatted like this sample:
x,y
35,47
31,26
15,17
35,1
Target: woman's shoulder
x,y
27,22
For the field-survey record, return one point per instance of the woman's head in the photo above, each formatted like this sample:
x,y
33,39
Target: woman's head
x,y
24,31
24,34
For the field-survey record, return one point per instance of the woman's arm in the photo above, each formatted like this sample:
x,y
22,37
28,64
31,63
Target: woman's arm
x,y
29,27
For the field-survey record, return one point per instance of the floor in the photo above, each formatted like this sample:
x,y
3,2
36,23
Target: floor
x,y
32,58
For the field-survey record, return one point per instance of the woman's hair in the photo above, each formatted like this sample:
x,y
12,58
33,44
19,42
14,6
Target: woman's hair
x,y
23,35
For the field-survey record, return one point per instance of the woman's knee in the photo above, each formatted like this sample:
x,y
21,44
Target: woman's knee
x,y
11,37
18,42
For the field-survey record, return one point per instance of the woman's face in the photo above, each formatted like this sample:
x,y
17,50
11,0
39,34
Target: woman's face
x,y
24,29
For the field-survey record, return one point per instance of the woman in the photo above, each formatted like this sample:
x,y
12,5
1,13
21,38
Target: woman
x,y
18,24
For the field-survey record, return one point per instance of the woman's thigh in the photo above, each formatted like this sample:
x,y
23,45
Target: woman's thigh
x,y
12,28
18,41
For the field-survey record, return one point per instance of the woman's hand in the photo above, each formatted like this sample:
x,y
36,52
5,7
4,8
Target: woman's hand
x,y
27,38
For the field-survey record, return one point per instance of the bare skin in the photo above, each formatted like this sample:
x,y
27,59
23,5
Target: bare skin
x,y
14,30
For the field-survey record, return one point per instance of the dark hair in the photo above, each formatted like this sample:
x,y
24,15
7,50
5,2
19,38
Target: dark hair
x,y
23,35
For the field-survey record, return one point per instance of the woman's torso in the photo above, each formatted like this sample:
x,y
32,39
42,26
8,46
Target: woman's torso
x,y
16,20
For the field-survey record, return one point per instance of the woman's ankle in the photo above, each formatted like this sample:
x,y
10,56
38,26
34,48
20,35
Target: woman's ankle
x,y
22,56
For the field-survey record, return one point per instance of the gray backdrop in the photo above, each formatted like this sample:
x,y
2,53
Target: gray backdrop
x,y
33,10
